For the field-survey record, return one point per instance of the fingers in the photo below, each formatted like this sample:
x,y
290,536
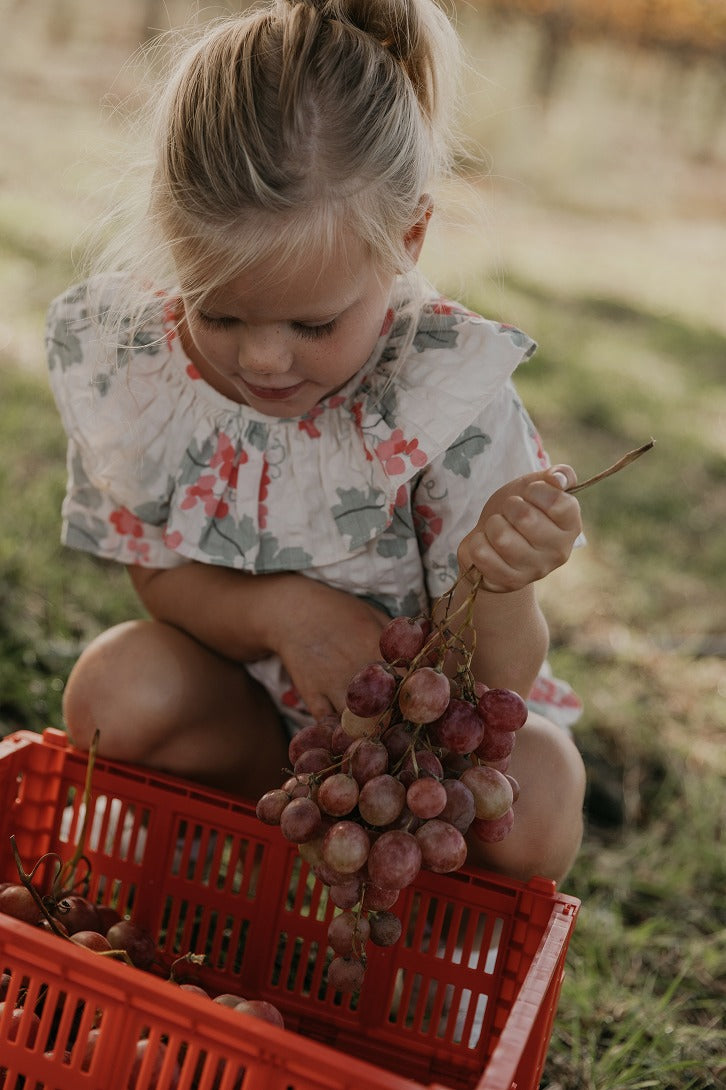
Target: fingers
x,y
529,533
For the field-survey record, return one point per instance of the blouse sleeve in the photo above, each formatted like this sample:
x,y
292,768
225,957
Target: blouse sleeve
x,y
98,514
501,444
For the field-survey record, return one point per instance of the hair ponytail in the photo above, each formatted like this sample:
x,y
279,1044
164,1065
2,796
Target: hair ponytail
x,y
287,126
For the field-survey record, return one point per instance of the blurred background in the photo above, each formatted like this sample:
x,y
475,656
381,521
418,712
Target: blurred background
x,y
591,211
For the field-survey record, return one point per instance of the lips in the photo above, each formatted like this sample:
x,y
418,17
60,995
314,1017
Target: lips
x,y
274,393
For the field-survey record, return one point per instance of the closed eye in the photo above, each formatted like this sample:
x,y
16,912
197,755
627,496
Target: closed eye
x,y
215,322
314,332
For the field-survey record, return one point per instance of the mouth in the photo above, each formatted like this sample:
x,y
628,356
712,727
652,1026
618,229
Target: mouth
x,y
273,393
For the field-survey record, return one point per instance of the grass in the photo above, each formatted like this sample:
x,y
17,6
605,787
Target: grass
x,y
631,346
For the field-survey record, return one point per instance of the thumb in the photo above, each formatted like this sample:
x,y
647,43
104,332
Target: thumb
x,y
561,475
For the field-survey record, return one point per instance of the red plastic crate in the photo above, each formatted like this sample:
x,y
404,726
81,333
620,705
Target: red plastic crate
x,y
466,999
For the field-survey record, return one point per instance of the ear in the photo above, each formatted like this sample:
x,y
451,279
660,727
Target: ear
x,y
414,238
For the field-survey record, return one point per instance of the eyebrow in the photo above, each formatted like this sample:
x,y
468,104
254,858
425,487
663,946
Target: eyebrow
x,y
218,310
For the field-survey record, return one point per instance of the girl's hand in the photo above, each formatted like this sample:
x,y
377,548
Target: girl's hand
x,y
526,529
323,636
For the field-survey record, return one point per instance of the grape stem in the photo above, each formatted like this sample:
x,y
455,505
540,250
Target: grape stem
x,y
27,880
66,877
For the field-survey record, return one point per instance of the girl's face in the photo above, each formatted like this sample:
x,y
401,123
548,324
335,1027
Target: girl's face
x,y
282,343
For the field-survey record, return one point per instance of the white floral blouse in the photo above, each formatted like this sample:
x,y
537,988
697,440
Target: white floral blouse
x,y
371,491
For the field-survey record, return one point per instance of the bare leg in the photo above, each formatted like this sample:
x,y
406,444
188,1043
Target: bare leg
x,y
161,699
548,814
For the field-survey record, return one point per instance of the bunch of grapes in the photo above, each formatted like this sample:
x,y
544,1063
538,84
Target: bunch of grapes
x,y
417,759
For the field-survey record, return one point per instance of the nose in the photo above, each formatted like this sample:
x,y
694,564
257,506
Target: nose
x,y
262,351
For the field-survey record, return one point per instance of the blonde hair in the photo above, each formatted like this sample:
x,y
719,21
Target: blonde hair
x,y
284,128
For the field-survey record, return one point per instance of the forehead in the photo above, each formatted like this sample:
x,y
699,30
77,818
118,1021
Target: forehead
x,y
317,282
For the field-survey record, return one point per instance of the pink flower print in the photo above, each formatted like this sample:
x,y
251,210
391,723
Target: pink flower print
x,y
541,454
356,410
428,524
172,539
264,488
442,306
387,322
203,492
140,549
308,425
126,522
227,459
393,451
291,698
192,372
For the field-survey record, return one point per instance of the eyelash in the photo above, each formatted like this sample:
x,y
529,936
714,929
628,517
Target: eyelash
x,y
306,332
314,332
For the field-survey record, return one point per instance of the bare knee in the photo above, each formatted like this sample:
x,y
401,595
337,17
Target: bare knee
x,y
159,698
122,679
548,823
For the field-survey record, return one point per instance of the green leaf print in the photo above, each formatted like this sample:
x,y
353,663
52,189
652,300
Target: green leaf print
x,y
391,547
436,331
85,532
458,457
360,515
394,542
227,541
63,347
273,558
256,434
154,512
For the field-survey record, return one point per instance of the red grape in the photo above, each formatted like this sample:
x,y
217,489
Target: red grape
x,y
371,690
313,760
460,809
496,744
270,806
338,795
300,820
346,847
359,726
138,943
345,894
492,791
443,847
381,800
77,914
494,830
316,736
426,797
460,728
345,974
502,709
394,859
365,759
401,640
92,940
376,898
385,928
260,1008
17,901
424,695
515,787
348,934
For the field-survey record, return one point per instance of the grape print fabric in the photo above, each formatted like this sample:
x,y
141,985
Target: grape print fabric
x,y
370,491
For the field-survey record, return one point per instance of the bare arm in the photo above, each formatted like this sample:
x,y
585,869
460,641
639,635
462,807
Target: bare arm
x,y
322,635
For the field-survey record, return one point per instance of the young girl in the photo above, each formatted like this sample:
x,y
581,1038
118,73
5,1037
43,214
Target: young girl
x,y
285,435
